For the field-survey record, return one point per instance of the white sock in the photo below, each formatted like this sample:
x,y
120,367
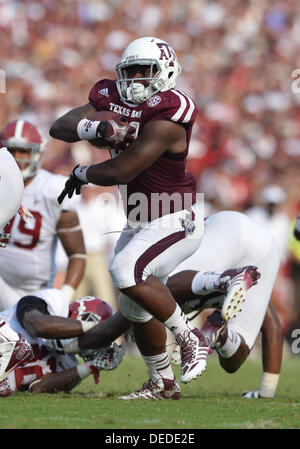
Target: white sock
x,y
7,333
205,281
158,366
178,323
231,345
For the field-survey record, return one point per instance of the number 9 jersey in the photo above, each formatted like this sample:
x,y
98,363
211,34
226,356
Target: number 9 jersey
x,y
27,264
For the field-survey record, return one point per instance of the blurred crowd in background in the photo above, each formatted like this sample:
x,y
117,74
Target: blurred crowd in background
x,y
237,58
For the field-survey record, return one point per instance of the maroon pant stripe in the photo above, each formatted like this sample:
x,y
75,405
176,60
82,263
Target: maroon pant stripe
x,y
154,251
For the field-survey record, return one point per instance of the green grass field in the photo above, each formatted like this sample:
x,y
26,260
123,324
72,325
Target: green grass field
x,y
213,401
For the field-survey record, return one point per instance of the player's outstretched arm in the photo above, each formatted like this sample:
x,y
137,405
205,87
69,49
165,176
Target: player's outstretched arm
x,y
272,347
71,237
52,383
103,334
65,127
41,325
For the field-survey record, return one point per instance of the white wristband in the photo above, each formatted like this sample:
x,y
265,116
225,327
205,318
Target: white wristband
x,y
80,173
87,129
268,385
83,370
68,291
72,347
86,325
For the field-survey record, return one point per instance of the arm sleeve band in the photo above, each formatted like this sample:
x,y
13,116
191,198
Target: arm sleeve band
x,y
29,303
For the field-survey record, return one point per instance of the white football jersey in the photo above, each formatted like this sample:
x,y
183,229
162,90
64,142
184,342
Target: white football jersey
x,y
28,262
44,361
11,187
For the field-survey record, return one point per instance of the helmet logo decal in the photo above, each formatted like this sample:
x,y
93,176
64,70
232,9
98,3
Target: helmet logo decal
x,y
166,52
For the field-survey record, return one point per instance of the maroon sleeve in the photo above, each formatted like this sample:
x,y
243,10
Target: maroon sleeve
x,y
175,106
100,93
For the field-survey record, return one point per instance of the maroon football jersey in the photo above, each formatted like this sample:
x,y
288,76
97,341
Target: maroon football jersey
x,y
167,175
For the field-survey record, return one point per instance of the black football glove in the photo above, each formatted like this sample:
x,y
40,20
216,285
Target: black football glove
x,y
73,184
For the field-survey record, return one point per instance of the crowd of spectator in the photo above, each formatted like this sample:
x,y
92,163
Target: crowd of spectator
x,y
238,59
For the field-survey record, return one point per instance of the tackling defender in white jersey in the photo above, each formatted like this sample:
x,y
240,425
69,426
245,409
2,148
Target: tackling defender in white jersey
x,y
232,240
28,263
47,315
14,349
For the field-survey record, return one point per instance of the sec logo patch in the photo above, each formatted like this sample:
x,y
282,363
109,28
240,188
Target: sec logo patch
x,y
154,101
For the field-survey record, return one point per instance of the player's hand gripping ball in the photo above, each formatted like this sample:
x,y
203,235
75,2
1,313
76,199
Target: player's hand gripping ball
x,y
114,130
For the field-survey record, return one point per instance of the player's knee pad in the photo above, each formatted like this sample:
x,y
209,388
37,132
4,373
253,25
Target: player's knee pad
x,y
132,311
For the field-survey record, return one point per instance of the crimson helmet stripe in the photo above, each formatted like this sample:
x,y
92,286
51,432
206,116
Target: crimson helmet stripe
x,y
19,129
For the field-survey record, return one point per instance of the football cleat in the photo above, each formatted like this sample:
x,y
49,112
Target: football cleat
x,y
157,390
5,389
237,281
215,329
13,354
194,349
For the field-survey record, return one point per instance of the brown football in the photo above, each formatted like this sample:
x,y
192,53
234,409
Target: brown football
x,y
100,116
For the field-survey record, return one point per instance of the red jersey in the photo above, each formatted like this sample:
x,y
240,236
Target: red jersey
x,y
167,175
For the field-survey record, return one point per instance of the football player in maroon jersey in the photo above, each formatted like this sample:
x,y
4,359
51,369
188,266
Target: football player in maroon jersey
x,y
158,237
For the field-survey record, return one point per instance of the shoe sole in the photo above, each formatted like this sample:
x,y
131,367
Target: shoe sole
x,y
186,379
237,295
233,302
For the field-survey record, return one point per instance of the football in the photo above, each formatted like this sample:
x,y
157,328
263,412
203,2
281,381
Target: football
x,y
101,116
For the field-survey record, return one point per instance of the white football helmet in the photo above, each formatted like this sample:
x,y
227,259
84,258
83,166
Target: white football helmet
x,y
22,134
164,69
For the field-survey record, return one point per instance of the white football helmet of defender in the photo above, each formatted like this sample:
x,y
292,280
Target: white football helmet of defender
x,y
164,69
20,134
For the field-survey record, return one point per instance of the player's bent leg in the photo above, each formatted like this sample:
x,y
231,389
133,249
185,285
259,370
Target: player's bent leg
x,y
140,280
150,336
230,345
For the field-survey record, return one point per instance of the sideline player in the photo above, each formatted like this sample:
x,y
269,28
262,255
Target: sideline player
x,y
14,349
45,317
154,164
247,244
28,263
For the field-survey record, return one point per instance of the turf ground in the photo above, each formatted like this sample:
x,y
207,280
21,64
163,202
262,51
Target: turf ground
x,y
213,401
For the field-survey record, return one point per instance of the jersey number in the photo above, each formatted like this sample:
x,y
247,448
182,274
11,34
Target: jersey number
x,y
34,233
